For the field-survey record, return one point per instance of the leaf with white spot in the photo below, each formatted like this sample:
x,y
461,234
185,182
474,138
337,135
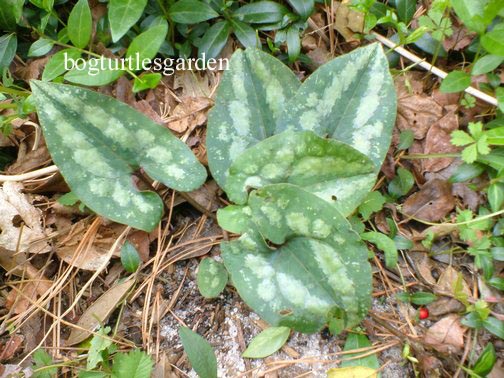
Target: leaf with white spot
x,y
250,98
319,270
301,158
212,278
351,99
97,142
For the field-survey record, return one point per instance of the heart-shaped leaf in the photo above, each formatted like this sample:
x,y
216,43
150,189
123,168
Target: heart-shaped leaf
x,y
98,142
351,99
319,274
249,100
300,158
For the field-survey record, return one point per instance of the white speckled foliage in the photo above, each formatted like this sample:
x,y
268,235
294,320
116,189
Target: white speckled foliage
x,y
97,142
320,269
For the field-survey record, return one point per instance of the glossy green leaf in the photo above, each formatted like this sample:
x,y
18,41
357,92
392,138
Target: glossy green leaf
x,y
261,12
385,244
303,7
466,172
486,361
80,24
317,273
122,15
471,13
8,46
130,258
267,342
495,196
90,72
40,47
351,99
199,352
56,65
245,33
486,64
422,298
250,97
214,40
97,142
456,81
301,158
191,12
212,278
134,364
146,45
146,81
405,9
10,13
494,326
358,341
402,183
493,41
293,43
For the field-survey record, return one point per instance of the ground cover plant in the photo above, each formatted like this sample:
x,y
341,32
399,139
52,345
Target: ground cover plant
x,y
328,203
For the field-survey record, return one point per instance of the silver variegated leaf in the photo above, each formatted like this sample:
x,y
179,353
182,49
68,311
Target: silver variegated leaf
x,y
320,268
351,99
250,98
98,142
301,158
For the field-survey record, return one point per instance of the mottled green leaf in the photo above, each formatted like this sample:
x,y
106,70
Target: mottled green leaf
x,y
56,65
351,99
321,272
80,24
123,14
212,278
199,352
249,100
98,141
234,218
267,342
301,158
191,12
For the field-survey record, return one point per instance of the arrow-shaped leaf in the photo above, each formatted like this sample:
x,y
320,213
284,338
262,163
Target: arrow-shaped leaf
x,y
98,142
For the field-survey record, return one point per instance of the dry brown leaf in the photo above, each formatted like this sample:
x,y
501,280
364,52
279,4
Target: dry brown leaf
x,y
448,278
348,22
192,84
432,203
99,312
444,306
438,140
141,241
95,253
459,40
423,265
20,222
189,114
417,113
11,347
144,107
446,335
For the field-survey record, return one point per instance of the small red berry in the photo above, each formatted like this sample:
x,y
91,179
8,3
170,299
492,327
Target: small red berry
x,y
423,313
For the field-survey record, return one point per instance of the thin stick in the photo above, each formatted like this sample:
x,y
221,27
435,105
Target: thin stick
x,y
429,67
30,175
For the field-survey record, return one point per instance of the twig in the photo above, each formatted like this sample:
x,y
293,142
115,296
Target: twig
x,y
30,175
429,67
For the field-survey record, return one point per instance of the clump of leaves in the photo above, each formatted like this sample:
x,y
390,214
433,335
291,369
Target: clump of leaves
x,y
268,149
